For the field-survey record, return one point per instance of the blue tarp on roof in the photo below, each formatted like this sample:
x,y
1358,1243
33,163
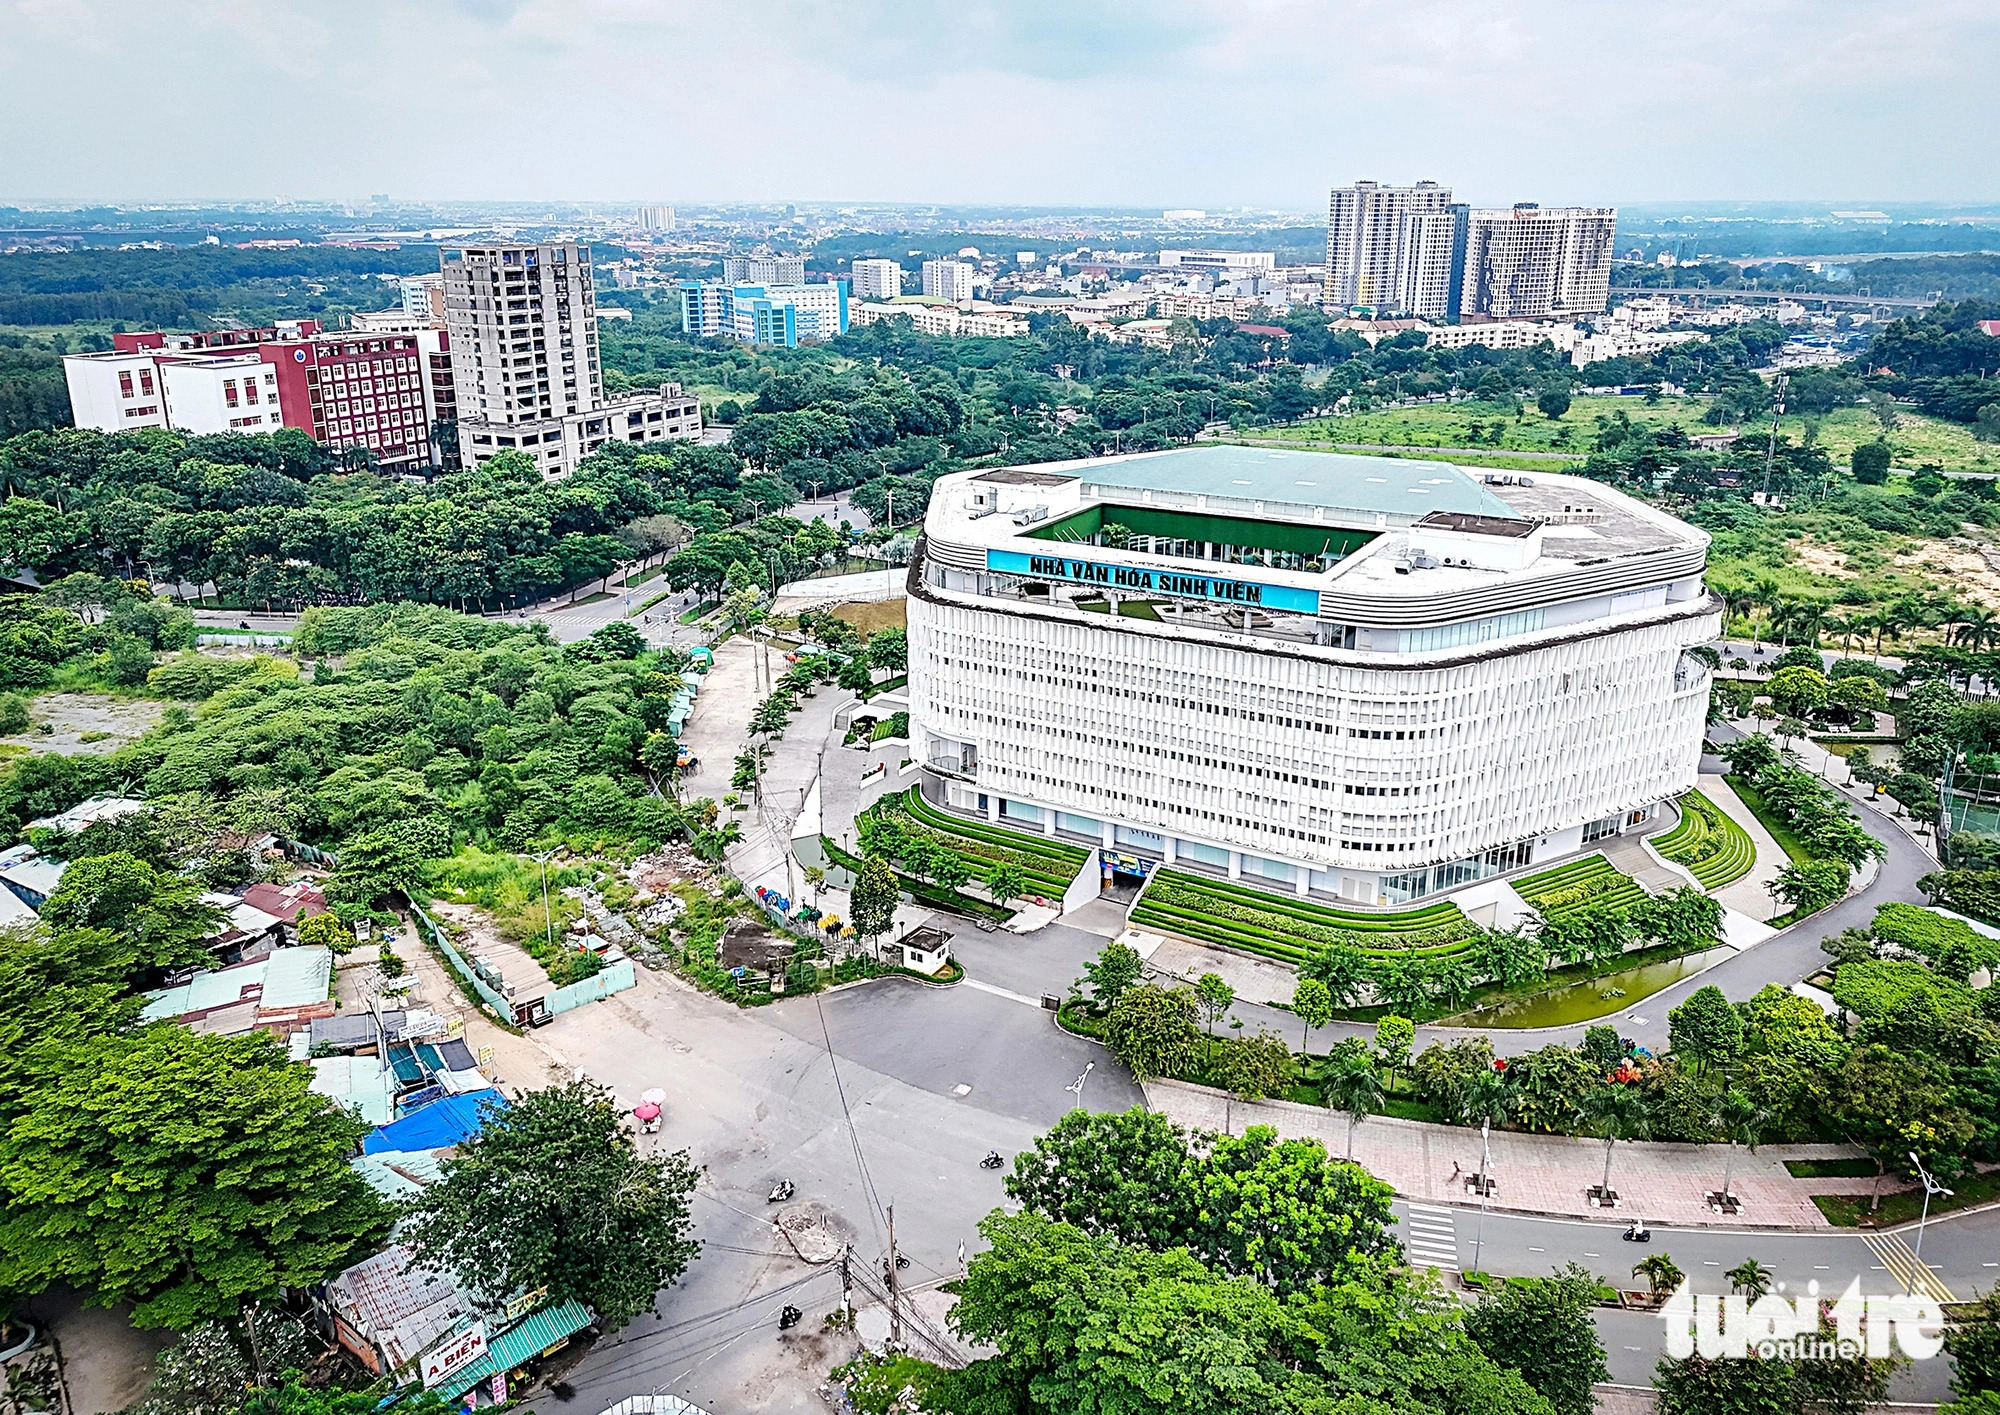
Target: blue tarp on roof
x,y
442,1123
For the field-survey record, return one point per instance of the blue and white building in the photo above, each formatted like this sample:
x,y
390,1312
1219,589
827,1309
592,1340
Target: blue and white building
x,y
765,314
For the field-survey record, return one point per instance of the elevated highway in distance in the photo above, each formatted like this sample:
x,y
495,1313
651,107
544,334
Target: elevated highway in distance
x,y
1858,301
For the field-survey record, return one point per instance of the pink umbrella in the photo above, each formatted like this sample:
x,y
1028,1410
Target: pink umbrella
x,y
646,1111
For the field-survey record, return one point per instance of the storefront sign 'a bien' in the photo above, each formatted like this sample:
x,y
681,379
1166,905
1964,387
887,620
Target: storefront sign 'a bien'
x,y
454,1353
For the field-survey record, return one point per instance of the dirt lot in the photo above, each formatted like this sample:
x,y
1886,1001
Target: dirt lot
x,y
86,724
1967,570
889,614
1821,559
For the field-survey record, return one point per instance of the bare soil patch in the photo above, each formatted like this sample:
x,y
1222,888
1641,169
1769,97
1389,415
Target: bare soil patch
x,y
889,614
1965,569
1821,559
106,722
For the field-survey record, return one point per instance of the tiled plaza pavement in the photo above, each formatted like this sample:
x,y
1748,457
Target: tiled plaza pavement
x,y
1548,1174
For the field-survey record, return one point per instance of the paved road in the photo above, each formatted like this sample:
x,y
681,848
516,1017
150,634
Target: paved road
x,y
1962,1251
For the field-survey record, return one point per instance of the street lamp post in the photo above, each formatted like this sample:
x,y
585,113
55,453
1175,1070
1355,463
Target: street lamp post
x,y
1077,1085
1931,1186
1485,1162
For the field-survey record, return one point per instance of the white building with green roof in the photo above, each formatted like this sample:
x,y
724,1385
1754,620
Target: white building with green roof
x,y
1365,678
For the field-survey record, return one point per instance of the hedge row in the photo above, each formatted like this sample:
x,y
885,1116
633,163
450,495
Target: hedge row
x,y
982,853
1283,948
1431,915
1715,849
1056,852
1289,930
1590,881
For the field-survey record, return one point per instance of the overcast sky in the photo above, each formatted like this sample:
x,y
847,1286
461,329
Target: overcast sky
x,y
1209,103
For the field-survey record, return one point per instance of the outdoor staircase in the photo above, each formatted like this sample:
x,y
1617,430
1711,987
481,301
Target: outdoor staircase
x,y
1629,857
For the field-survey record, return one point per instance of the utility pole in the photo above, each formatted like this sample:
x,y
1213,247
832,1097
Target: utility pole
x,y
846,1284
1771,445
895,1305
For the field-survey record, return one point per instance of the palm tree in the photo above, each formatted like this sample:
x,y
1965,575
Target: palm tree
x,y
1890,620
1950,617
1616,1112
1979,628
1662,1274
1749,1277
1841,629
1741,1122
1737,603
1483,1099
1353,1086
1765,593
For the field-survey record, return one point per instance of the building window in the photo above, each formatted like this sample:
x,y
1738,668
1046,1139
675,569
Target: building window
x,y
229,391
1598,829
125,383
146,382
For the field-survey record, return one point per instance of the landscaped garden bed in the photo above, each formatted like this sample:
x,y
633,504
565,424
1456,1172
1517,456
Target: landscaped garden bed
x,y
1579,884
1289,929
1048,866
1714,848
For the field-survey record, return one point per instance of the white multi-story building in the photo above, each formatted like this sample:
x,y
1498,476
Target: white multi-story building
x,y
1371,680
1531,262
656,218
764,270
193,393
423,296
877,279
1367,233
523,323
1504,334
945,319
948,280
1219,260
1430,268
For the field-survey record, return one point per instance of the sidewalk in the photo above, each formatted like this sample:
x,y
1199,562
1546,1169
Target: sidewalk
x,y
1544,1174
1748,895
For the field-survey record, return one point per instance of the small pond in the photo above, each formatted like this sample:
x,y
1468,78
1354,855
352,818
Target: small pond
x,y
1594,998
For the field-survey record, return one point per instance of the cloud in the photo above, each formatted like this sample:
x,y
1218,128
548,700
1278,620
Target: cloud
x,y
1178,102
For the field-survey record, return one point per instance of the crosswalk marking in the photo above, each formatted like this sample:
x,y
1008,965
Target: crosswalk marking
x,y
1431,1237
1900,1261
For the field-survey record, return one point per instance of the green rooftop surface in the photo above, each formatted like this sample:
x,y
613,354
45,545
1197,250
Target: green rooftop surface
x,y
1362,485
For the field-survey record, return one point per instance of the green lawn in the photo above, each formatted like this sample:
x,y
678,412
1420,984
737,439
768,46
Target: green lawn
x,y
1780,832
1916,439
1905,1205
1451,425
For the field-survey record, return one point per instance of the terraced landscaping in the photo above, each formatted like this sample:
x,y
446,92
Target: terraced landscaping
x,y
1050,866
1590,881
1715,849
1288,929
